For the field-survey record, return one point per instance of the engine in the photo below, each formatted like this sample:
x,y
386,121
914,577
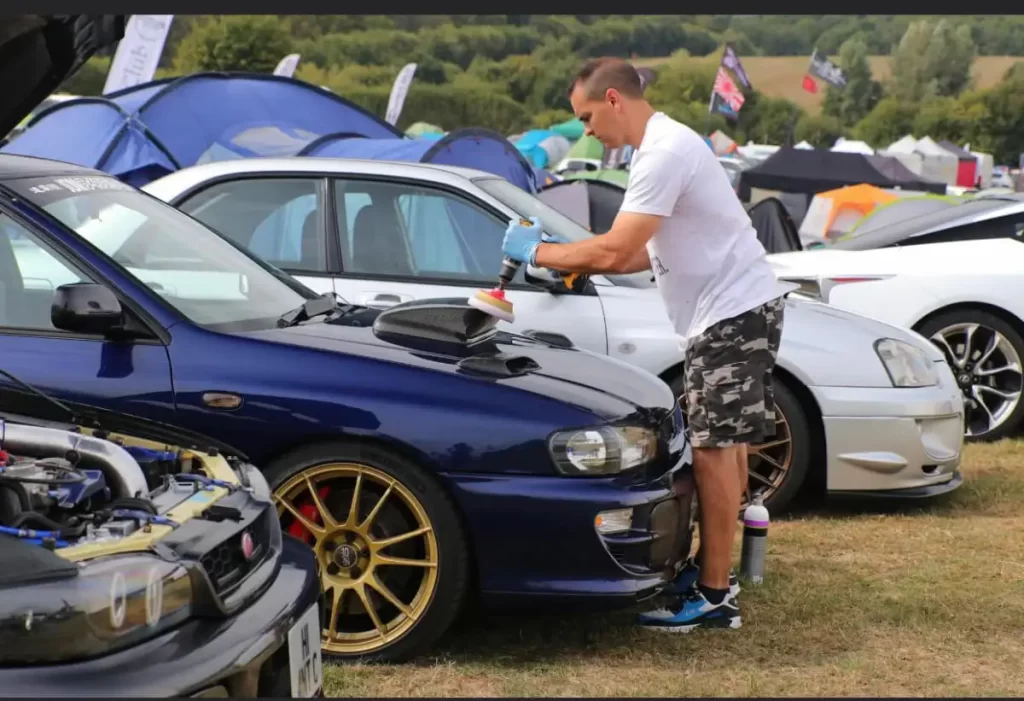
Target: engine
x,y
61,488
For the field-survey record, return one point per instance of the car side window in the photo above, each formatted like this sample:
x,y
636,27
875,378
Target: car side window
x,y
415,231
30,273
277,219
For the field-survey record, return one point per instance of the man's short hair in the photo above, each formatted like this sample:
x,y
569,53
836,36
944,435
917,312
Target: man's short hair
x,y
599,74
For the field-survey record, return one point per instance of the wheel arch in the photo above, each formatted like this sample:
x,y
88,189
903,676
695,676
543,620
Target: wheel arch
x,y
818,468
409,453
1009,317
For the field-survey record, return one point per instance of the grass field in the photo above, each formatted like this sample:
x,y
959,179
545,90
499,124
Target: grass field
x,y
781,76
862,601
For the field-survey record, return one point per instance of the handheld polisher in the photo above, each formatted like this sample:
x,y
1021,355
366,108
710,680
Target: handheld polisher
x,y
493,301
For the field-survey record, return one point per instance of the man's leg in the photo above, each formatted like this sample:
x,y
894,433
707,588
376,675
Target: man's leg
x,y
726,410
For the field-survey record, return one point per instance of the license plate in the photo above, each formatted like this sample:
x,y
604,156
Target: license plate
x,y
304,658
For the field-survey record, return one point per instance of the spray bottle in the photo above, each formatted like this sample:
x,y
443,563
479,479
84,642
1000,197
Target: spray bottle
x,y
755,541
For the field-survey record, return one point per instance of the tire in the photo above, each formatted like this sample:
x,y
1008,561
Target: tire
x,y
336,469
800,447
1010,423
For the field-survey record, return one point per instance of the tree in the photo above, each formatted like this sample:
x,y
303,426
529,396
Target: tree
x,y
253,43
931,61
862,92
889,121
819,131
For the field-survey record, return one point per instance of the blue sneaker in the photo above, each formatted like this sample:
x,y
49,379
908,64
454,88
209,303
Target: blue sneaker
x,y
686,581
692,612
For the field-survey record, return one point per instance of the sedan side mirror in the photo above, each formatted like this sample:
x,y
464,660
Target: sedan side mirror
x,y
85,307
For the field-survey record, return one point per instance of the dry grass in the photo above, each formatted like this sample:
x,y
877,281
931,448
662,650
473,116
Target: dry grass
x,y
860,601
782,76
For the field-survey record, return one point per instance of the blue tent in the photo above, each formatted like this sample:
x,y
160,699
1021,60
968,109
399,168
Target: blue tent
x,y
477,148
146,131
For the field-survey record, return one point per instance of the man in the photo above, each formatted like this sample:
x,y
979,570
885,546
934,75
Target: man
x,y
681,218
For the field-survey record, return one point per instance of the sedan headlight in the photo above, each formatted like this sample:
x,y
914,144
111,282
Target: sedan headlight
x,y
602,450
111,604
907,365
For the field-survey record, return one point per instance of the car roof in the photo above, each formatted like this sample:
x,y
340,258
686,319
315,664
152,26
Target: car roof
x,y
187,178
15,167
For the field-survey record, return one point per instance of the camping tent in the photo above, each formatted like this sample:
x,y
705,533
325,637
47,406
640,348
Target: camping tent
x,y
967,164
424,130
146,131
610,175
592,203
835,212
571,129
899,210
810,172
587,151
776,230
937,163
481,149
543,147
849,146
984,167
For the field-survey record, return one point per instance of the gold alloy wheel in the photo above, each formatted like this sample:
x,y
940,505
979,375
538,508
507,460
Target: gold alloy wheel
x,y
376,548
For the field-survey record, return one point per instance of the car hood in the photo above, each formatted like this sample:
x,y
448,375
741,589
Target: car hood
x,y
37,53
952,257
597,383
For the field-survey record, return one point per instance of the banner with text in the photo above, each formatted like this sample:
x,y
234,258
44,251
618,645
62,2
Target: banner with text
x,y
138,53
398,92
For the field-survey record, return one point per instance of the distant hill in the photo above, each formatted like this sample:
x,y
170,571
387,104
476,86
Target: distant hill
x,y
781,76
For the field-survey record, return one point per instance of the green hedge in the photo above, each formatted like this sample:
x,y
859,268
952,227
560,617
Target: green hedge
x,y
449,107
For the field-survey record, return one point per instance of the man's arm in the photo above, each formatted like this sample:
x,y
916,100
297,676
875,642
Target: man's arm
x,y
621,250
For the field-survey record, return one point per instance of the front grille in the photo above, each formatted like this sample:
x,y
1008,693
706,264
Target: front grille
x,y
226,564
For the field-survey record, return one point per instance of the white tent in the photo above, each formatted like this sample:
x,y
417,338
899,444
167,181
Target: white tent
x,y
985,163
804,145
850,146
938,163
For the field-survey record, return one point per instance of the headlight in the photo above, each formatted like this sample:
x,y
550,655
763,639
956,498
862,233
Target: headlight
x,y
602,450
111,604
907,365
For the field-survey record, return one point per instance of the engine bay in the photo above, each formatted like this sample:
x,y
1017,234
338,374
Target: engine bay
x,y
84,493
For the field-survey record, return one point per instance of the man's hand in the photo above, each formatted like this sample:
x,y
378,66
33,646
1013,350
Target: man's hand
x,y
521,241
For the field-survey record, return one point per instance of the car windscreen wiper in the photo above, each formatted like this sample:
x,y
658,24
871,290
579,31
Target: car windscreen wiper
x,y
76,417
326,303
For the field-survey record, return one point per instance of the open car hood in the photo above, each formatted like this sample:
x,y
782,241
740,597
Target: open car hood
x,y
38,53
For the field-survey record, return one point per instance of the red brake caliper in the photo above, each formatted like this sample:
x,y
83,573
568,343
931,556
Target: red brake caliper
x,y
309,510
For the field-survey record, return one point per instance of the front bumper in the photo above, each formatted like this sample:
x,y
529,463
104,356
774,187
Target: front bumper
x,y
245,655
902,441
535,538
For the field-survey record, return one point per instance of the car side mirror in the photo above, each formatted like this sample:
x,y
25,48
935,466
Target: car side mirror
x,y
557,283
85,307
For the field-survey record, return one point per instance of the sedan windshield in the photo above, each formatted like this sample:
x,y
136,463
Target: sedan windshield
x,y
555,223
192,268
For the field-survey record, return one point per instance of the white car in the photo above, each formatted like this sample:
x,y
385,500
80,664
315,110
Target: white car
x,y
864,408
967,297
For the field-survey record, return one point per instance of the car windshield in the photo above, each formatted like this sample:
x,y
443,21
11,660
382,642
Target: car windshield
x,y
191,267
890,234
555,223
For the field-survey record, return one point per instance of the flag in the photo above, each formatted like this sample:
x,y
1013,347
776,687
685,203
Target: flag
x,y
809,84
731,61
286,67
138,53
399,90
727,90
821,67
722,107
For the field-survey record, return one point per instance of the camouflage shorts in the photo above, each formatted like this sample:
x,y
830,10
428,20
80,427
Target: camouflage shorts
x,y
729,397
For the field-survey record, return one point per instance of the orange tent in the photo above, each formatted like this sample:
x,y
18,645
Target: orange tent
x,y
835,212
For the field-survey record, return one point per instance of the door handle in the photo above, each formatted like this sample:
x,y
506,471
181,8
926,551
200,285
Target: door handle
x,y
383,300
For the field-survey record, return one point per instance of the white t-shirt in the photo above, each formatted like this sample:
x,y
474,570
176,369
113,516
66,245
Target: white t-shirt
x,y
706,258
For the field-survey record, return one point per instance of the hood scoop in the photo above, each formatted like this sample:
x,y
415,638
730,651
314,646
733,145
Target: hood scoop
x,y
498,365
449,326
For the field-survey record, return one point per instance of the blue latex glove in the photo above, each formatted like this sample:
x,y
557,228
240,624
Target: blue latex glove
x,y
521,241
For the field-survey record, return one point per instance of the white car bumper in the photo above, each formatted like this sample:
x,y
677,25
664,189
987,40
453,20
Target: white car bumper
x,y
893,441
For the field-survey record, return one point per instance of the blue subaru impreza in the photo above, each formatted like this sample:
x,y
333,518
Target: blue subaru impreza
x,y
420,451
